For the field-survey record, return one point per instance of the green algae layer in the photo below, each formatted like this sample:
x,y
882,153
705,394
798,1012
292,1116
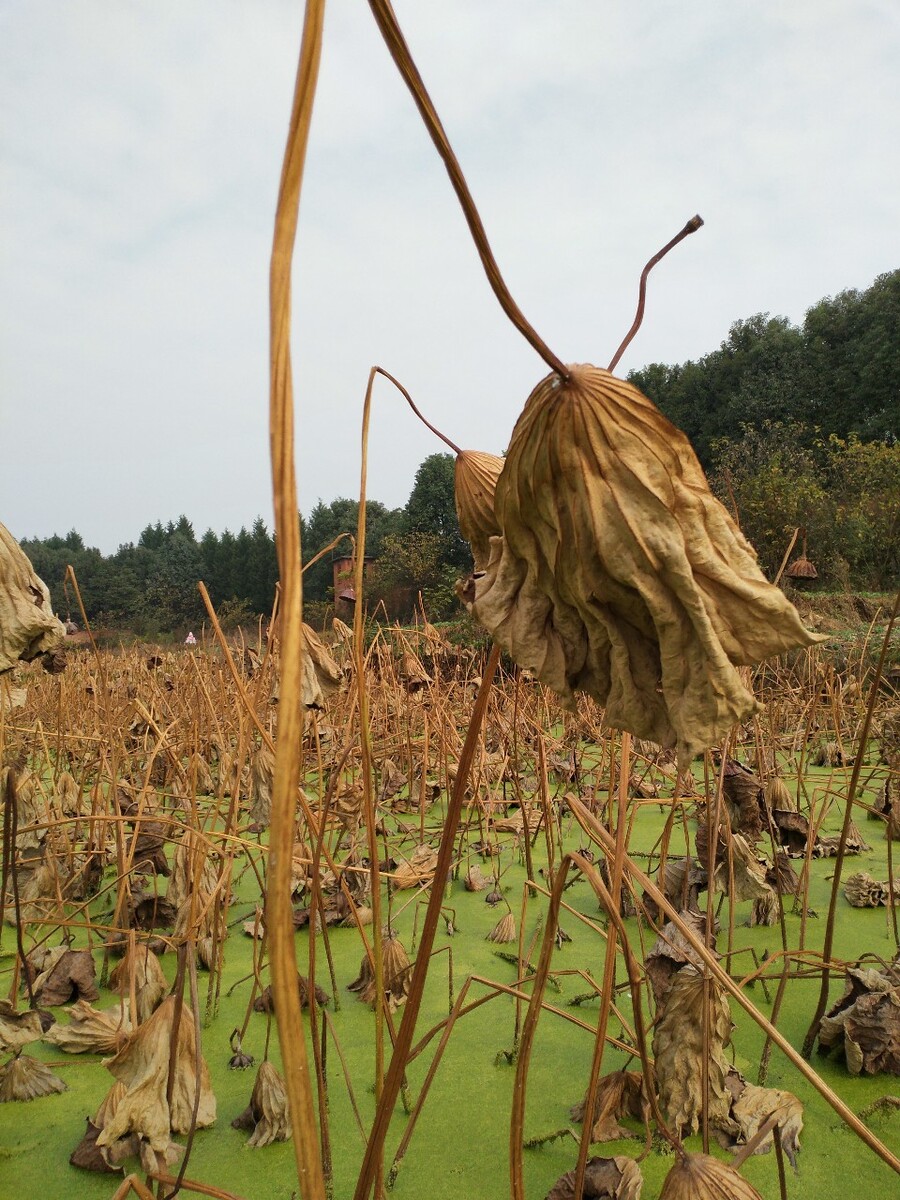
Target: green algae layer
x,y
460,1147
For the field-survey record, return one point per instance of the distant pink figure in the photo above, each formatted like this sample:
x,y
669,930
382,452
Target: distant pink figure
x,y
190,640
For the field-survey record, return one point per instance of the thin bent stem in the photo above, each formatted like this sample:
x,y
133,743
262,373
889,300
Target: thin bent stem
x,y
396,44
691,227
409,400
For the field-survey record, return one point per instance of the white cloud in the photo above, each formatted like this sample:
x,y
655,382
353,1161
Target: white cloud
x,y
141,148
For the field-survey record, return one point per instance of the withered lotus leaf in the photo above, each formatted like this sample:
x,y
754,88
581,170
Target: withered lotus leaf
x,y
265,1002
670,952
321,674
143,1066
616,1178
701,1177
475,481
751,1107
396,975
865,1022
619,1094
17,1029
69,794
150,984
862,891
87,1154
474,880
65,976
267,1113
91,1030
26,1078
747,870
415,871
28,625
678,1050
618,574
262,774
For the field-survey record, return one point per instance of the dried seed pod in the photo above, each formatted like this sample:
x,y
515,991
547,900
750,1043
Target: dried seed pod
x,y
239,1061
504,931
701,1177
26,1078
267,1113
618,574
475,481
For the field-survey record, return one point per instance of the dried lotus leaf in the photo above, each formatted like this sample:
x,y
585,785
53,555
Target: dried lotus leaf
x,y
475,481
91,1030
619,1094
321,674
670,952
262,774
474,879
616,1178
150,984
872,1033
619,574
28,626
65,976
749,872
777,795
393,781
396,975
701,1177
69,794
143,1066
18,1029
753,1106
678,1049
862,891
27,1078
87,1154
415,871
267,1113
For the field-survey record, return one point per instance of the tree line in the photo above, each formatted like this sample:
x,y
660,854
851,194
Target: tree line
x,y
796,426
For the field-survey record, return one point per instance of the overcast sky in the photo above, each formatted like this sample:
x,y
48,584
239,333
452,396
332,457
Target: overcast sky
x,y
140,149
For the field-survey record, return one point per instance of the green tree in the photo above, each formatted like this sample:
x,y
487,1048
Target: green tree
x,y
431,509
323,525
409,564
